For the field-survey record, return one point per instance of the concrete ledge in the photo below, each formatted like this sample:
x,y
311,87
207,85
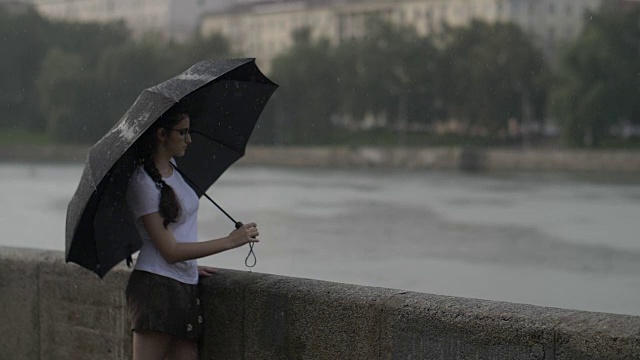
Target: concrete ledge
x,y
81,314
450,158
19,308
52,310
289,318
274,317
44,153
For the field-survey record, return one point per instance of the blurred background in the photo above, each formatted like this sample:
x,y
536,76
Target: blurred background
x,y
556,77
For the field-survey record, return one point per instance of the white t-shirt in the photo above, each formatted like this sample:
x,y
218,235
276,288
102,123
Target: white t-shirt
x,y
143,197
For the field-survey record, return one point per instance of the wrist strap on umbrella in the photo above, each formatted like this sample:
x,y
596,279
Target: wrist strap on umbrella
x,y
237,224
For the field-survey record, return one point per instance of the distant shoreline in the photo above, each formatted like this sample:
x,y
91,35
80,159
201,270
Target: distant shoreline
x,y
452,158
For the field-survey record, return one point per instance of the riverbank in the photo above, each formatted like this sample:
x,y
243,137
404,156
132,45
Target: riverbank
x,y
445,158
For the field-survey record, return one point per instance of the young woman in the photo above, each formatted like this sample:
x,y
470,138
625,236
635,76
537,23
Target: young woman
x,y
162,292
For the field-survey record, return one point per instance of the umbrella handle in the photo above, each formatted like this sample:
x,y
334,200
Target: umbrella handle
x,y
238,224
251,253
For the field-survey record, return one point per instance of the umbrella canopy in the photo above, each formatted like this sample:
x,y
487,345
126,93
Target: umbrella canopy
x,y
224,99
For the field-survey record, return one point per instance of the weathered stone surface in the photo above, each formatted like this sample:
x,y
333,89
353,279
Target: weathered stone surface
x,y
223,297
52,310
19,311
82,316
290,318
591,336
374,156
441,327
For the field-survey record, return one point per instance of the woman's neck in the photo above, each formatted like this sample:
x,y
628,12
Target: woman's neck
x,y
163,164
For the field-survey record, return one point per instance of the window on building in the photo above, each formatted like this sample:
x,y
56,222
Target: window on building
x,y
568,9
552,9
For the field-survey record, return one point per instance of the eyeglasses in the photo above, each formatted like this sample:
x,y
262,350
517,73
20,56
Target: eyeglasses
x,y
183,132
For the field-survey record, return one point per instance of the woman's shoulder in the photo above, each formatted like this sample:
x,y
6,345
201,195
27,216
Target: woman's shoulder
x,y
140,176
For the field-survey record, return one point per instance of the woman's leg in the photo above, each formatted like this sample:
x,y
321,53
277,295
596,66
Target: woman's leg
x,y
184,350
151,345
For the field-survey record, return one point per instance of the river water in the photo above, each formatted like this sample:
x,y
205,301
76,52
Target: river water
x,y
551,239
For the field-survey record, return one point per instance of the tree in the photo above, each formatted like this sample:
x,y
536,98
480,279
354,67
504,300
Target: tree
x,y
493,73
308,96
99,86
86,39
68,97
199,48
395,71
388,74
123,72
22,36
597,84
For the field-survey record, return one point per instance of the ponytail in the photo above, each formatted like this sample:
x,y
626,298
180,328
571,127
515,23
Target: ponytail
x,y
169,204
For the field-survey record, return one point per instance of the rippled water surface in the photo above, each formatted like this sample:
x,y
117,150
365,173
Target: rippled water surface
x,y
552,239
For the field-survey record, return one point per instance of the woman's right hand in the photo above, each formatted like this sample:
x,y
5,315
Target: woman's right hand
x,y
244,234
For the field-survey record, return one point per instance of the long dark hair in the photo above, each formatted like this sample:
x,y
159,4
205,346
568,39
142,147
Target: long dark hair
x,y
146,145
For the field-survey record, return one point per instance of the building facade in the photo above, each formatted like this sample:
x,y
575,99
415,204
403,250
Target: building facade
x,y
264,29
176,19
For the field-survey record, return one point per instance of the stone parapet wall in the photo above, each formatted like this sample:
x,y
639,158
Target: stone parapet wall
x,y
448,158
53,310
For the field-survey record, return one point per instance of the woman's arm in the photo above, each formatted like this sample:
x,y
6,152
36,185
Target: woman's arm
x,y
173,251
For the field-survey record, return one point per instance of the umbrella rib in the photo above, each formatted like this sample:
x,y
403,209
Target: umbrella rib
x,y
217,141
196,187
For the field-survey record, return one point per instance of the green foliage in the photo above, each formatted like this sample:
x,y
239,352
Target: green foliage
x,y
307,98
75,80
11,136
598,84
22,38
86,39
84,97
493,73
123,72
390,72
68,96
481,74
199,48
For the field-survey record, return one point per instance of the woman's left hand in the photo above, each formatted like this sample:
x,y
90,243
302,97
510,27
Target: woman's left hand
x,y
206,270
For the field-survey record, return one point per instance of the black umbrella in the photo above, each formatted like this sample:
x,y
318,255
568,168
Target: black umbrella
x,y
224,99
